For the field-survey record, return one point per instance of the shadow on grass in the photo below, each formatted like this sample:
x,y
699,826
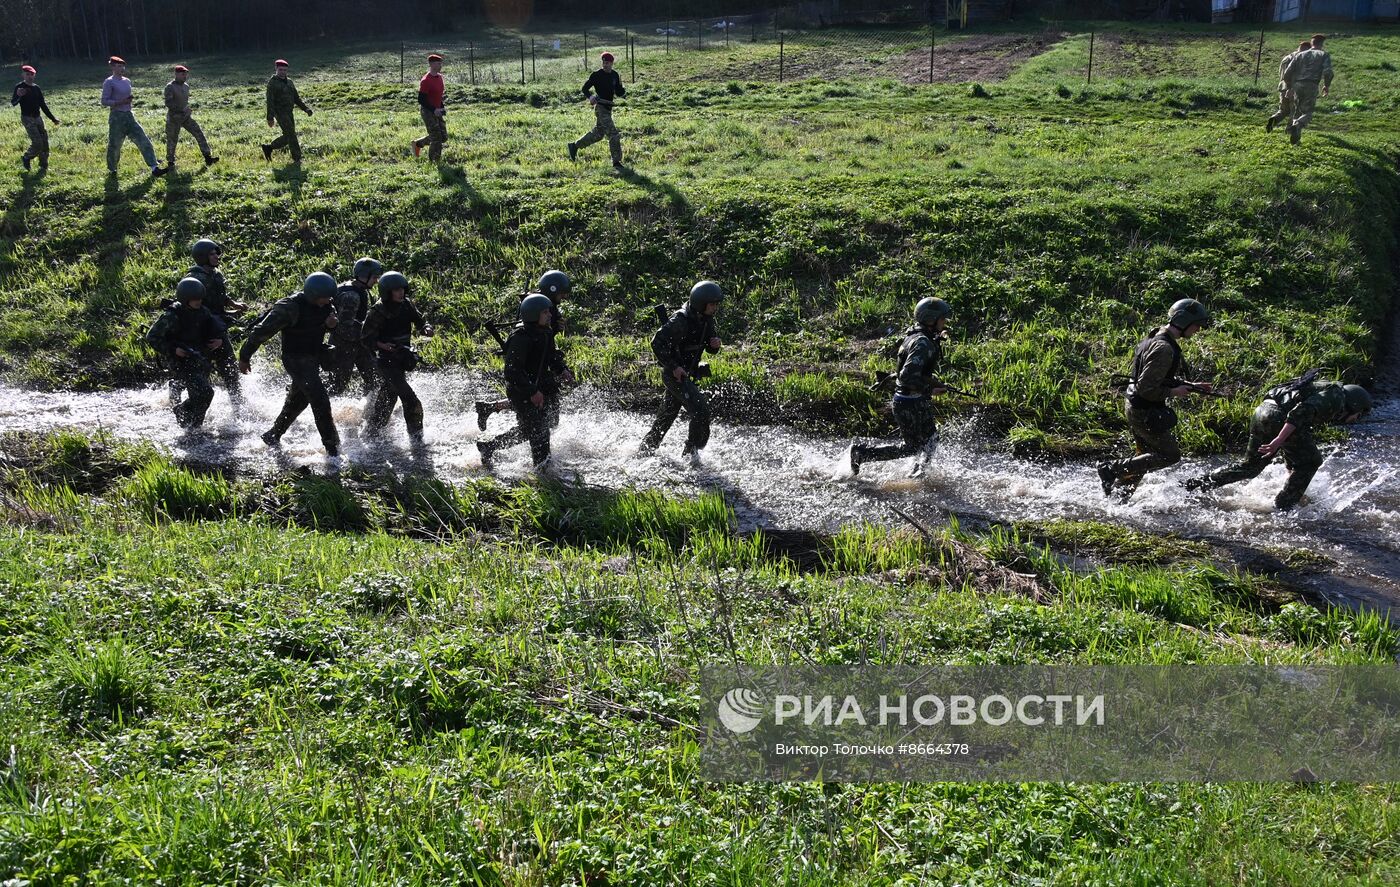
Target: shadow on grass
x,y
665,190
16,221
455,177
293,176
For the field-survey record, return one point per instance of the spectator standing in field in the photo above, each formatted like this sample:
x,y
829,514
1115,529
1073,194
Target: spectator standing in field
x,y
602,87
121,123
1285,98
178,116
432,90
1308,69
282,99
30,99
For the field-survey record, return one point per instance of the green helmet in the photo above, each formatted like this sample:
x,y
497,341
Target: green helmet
x,y
532,306
931,310
366,268
189,290
390,282
1358,399
554,283
704,293
202,248
1188,312
320,286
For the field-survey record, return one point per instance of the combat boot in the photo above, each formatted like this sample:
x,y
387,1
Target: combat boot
x,y
573,151
271,438
484,409
856,457
1295,135
487,452
210,160
1107,477
26,160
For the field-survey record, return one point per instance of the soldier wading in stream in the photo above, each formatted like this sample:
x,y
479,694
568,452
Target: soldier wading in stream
x,y
388,331
557,286
207,255
303,319
1156,375
533,366
915,386
1283,423
188,335
678,346
351,305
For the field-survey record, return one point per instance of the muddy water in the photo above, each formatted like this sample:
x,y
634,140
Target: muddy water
x,y
778,477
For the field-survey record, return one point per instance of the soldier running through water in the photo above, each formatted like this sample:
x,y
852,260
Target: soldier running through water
x,y
388,330
1284,423
282,98
188,335
351,305
557,286
1156,375
915,387
30,99
207,255
178,116
678,346
303,319
608,85
533,366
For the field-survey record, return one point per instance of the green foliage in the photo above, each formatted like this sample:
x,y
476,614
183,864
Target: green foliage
x,y
325,504
109,680
160,488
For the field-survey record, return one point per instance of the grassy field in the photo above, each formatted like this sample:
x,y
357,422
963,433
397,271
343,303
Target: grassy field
x,y
1059,219
371,680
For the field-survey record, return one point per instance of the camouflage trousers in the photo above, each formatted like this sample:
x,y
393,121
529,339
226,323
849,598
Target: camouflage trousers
x,y
532,423
307,389
917,427
1300,455
1285,105
436,125
1304,103
288,139
394,388
351,357
1156,448
38,139
684,393
122,125
187,379
604,127
176,122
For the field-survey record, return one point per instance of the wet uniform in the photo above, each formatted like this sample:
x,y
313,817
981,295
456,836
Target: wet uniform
x,y
180,326
1157,367
919,357
532,364
1316,403
351,305
216,299
302,324
680,343
390,322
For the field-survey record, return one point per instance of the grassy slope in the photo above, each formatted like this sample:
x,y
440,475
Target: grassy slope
x,y
1059,220
243,701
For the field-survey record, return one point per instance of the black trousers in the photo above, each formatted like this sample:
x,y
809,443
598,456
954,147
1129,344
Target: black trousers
x,y
307,389
532,424
684,393
393,388
192,381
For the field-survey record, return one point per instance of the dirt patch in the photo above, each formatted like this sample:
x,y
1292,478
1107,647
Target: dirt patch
x,y
981,58
1129,54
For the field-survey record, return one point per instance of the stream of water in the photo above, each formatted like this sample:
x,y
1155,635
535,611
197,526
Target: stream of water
x,y
779,477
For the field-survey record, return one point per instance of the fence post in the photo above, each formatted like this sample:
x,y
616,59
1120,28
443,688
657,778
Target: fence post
x,y
1090,77
532,60
699,34
471,61
932,37
1259,57
522,61
726,32
1256,79
633,50
585,50
627,40
668,36
780,57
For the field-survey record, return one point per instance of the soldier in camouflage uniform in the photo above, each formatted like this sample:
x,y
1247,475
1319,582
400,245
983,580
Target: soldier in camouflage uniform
x,y
1156,375
532,367
351,305
915,385
1285,98
388,331
1301,75
303,319
1283,423
557,286
30,99
188,335
678,346
207,255
602,87
282,98
178,116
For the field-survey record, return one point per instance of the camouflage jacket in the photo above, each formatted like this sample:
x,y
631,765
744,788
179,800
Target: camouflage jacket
x,y
1157,367
215,289
391,322
682,339
301,322
282,96
177,98
1318,402
918,358
182,327
1308,66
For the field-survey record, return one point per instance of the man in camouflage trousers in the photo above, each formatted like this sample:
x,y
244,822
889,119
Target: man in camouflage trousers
x,y
602,87
178,116
1285,98
282,98
207,256
432,91
1283,423
30,99
1156,375
188,336
1302,75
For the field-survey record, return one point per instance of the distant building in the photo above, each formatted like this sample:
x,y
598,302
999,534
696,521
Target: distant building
x,y
1308,10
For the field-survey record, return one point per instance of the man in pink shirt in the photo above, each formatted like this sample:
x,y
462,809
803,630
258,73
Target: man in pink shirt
x,y
121,123
431,91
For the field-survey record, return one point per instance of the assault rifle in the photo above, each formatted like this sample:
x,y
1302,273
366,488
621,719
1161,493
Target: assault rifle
x,y
1120,383
886,382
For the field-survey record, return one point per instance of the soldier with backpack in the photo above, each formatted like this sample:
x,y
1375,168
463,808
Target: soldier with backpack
x,y
388,331
351,306
532,368
678,346
187,334
207,255
1284,424
557,286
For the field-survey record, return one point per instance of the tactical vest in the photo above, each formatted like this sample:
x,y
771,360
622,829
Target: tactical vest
x,y
1139,355
305,335
398,322
691,342
362,306
906,349
215,288
188,329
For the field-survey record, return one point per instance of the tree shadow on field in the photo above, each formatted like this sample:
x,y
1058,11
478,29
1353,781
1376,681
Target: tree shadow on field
x,y
16,220
666,190
293,176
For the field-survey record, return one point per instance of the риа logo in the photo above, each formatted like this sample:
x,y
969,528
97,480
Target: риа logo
x,y
741,709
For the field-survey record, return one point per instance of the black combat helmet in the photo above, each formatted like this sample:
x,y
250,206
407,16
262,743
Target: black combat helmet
x,y
1358,399
189,290
366,268
390,282
320,286
1186,312
554,284
704,293
532,306
202,248
930,310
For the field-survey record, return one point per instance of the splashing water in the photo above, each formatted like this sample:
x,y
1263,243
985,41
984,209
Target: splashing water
x,y
778,477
